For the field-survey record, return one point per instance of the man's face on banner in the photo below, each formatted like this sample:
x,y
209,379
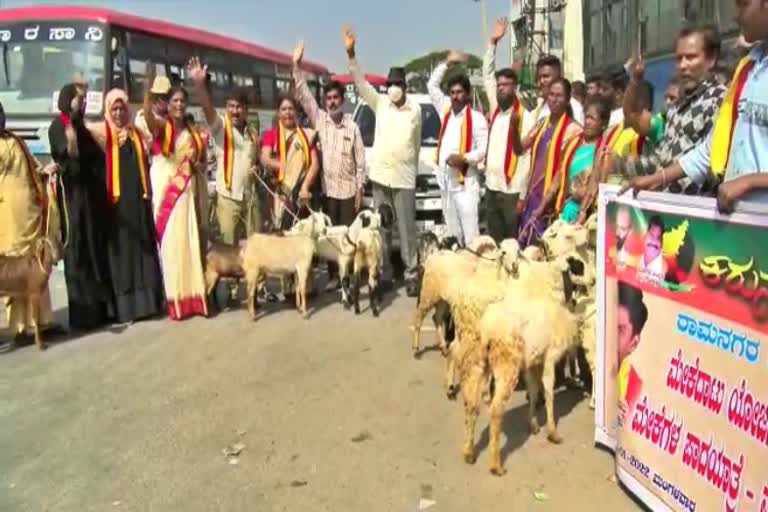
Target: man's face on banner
x,y
627,339
623,226
653,243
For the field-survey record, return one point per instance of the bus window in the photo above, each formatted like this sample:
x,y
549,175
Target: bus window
x,y
32,70
142,48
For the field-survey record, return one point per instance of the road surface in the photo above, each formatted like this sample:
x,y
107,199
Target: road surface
x,y
331,414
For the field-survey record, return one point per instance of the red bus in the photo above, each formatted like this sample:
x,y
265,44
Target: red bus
x,y
43,48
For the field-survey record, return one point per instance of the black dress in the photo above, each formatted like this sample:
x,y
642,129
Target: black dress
x,y
132,247
86,268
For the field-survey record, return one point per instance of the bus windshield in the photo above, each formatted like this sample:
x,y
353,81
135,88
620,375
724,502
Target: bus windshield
x,y
37,59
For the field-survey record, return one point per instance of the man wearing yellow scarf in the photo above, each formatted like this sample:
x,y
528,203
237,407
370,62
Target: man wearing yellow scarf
x,y
736,150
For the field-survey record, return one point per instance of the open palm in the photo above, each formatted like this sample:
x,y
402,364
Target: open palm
x,y
500,29
197,72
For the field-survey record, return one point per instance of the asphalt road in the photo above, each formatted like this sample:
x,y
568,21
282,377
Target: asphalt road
x,y
332,414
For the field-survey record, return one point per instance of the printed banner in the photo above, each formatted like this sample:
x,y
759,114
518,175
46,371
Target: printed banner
x,y
682,370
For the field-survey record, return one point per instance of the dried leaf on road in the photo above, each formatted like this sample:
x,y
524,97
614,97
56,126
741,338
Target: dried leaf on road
x,y
540,496
233,450
298,483
234,461
424,504
362,436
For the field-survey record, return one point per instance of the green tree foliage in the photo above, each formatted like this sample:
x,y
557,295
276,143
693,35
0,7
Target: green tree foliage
x,y
419,69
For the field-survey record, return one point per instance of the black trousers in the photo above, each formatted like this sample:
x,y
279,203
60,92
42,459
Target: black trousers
x,y
342,213
501,214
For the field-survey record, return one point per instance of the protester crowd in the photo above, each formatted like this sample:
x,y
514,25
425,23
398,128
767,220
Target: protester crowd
x,y
134,189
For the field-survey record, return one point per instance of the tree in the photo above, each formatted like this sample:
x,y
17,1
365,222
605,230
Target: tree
x,y
419,69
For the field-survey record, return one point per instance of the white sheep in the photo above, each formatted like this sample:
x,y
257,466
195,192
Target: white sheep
x,y
284,255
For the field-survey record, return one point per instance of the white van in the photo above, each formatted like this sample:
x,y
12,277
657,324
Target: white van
x,y
429,207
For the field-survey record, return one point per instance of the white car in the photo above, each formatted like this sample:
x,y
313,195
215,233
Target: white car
x,y
429,207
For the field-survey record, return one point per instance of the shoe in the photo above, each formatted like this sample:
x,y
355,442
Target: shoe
x,y
53,330
410,289
387,286
8,346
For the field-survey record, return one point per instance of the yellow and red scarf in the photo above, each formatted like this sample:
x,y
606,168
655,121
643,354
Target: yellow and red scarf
x,y
282,150
555,151
568,154
725,123
168,140
113,162
636,146
510,158
229,150
466,138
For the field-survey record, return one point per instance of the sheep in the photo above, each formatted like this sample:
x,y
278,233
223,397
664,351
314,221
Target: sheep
x,y
222,260
369,255
336,245
26,277
532,328
444,266
283,255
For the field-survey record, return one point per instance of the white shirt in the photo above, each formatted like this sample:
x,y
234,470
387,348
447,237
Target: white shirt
x,y
617,116
495,178
244,151
542,111
448,177
397,143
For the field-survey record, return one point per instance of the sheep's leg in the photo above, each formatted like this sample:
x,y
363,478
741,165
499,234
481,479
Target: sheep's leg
x,y
589,355
548,383
425,304
356,291
301,290
251,280
451,388
34,309
344,281
373,292
533,384
470,388
211,280
505,375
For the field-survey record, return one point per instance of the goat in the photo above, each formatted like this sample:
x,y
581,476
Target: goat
x,y
24,278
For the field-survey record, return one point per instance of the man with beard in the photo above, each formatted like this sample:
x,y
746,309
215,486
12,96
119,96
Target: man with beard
x,y
506,164
690,119
343,176
395,162
461,147
735,150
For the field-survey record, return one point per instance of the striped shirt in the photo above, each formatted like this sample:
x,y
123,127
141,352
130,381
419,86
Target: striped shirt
x,y
341,146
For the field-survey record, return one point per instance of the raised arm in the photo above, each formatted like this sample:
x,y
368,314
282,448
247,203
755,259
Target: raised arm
x,y
198,73
153,123
303,94
635,115
359,161
366,90
489,62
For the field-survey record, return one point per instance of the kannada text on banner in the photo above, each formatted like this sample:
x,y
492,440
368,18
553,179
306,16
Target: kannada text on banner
x,y
685,355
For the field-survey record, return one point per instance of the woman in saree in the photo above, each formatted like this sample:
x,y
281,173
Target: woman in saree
x,y
137,282
290,152
577,164
28,210
81,163
547,142
174,176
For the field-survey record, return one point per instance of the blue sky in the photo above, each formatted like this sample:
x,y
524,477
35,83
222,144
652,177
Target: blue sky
x,y
389,32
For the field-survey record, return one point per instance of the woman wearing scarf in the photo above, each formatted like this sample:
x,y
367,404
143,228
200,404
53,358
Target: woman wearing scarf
x,y
577,164
28,211
86,268
547,142
289,151
174,181
131,243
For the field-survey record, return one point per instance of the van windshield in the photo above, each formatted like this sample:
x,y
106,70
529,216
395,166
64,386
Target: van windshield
x,y
430,125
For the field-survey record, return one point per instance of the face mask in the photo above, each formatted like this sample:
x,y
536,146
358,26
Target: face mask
x,y
337,116
395,93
